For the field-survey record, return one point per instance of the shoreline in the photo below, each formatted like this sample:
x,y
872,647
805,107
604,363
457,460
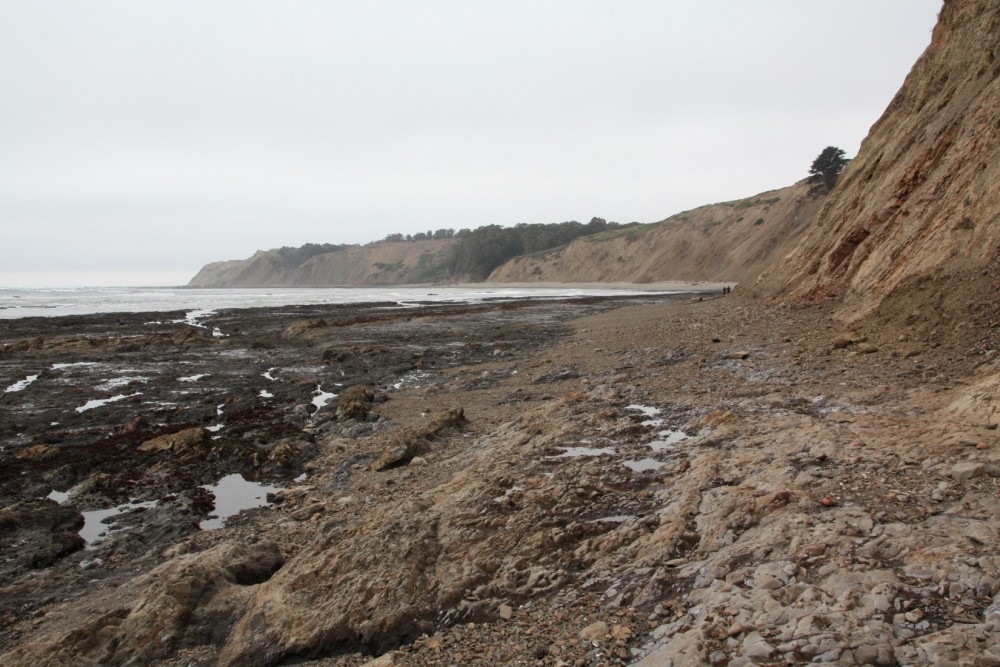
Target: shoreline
x,y
87,301
659,286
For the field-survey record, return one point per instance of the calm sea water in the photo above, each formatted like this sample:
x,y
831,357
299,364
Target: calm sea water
x,y
16,303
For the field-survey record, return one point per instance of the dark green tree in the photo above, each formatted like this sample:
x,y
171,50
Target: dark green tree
x,y
826,169
479,251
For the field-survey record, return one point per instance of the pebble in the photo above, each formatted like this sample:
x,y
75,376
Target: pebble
x,y
755,646
967,470
827,569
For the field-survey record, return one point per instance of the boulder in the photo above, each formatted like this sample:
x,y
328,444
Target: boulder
x,y
37,453
967,470
43,531
354,402
299,327
185,602
596,631
176,442
846,340
412,442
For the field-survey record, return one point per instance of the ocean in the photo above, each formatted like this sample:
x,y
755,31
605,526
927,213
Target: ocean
x,y
55,302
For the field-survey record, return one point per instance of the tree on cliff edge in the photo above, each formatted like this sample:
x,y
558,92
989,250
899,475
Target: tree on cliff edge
x,y
826,168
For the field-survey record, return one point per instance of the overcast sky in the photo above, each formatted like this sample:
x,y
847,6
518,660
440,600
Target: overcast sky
x,y
140,140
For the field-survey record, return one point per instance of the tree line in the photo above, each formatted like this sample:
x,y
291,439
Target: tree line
x,y
293,257
483,249
426,236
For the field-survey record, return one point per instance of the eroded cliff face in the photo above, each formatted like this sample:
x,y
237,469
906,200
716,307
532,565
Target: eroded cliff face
x,y
919,207
394,263
730,241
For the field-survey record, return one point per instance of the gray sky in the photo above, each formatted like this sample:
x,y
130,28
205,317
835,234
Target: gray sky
x,y
140,140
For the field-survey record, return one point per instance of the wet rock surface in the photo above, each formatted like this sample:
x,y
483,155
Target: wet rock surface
x,y
559,483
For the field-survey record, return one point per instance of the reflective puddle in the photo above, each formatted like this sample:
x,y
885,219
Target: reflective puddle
x,y
233,494
584,451
20,385
414,379
647,410
98,402
58,496
321,398
650,412
111,384
95,522
666,440
643,465
618,518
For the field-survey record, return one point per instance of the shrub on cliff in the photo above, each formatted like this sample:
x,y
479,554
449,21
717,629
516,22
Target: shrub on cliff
x,y
826,169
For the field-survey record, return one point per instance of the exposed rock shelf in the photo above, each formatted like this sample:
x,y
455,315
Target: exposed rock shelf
x,y
831,502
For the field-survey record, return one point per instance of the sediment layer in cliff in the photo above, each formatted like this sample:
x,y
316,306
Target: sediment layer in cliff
x,y
919,205
730,241
385,263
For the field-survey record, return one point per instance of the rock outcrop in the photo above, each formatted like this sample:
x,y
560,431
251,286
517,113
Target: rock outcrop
x,y
184,602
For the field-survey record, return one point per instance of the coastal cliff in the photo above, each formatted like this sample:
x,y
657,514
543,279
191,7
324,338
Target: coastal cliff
x,y
731,241
382,263
917,212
